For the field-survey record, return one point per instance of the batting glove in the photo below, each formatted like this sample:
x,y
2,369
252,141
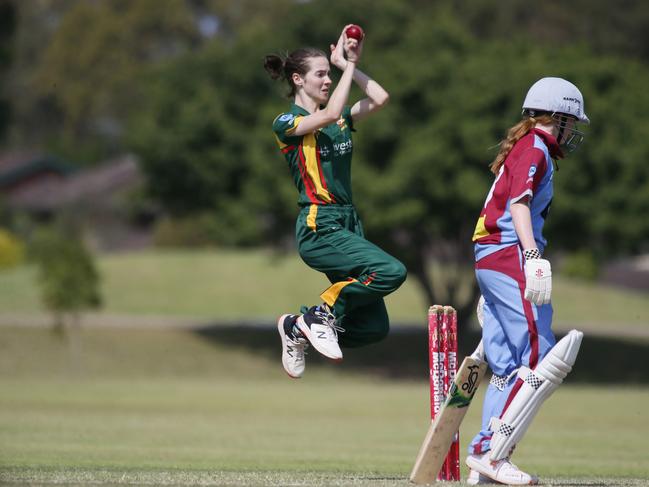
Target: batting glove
x,y
538,278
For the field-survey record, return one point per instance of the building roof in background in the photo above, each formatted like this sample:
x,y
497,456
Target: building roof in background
x,y
630,272
18,167
91,186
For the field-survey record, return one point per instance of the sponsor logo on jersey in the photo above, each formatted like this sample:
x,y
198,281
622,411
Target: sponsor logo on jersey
x,y
287,117
342,148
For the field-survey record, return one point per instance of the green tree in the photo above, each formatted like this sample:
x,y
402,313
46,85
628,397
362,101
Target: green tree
x,y
11,249
204,142
87,80
607,28
33,116
7,30
603,192
421,174
68,277
75,77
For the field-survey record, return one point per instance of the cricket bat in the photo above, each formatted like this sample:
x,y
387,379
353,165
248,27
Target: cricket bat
x,y
440,435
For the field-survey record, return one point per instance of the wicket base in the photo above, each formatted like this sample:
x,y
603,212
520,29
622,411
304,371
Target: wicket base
x,y
451,393
434,452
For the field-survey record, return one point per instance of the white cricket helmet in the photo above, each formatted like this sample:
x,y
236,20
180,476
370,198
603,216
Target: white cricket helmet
x,y
556,95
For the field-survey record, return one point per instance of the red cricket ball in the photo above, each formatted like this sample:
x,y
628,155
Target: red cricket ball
x,y
355,32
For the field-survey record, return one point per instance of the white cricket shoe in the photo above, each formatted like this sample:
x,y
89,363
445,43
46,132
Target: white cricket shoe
x,y
502,471
292,348
318,325
476,478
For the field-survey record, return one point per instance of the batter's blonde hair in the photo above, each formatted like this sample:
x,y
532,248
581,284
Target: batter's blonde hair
x,y
514,134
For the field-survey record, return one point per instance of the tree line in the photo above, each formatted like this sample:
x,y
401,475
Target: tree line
x,y
197,107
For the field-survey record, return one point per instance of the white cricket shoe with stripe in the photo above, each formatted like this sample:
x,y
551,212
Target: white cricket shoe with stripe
x,y
292,348
319,326
502,471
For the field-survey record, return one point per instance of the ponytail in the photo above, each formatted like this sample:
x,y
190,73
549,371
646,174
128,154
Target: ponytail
x,y
514,134
295,62
274,66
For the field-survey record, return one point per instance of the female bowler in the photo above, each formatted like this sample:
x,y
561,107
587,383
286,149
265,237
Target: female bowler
x,y
315,136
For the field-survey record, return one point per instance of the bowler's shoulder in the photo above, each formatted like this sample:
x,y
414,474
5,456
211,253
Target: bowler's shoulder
x,y
284,119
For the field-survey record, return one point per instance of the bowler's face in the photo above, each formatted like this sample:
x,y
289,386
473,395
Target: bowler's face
x,y
317,81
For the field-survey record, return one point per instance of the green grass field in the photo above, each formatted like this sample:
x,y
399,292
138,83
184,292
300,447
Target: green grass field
x,y
166,407
233,285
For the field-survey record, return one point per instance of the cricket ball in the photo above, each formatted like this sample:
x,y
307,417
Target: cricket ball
x,y
355,32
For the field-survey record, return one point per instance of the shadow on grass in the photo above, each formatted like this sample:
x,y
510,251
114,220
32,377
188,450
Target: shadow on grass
x,y
404,354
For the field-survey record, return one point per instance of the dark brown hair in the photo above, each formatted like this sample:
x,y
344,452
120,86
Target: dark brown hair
x,y
514,134
295,62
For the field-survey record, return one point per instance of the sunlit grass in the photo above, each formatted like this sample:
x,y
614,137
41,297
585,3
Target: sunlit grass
x,y
166,407
253,285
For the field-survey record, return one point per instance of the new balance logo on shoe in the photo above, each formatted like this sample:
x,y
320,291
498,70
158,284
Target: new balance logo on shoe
x,y
319,326
292,348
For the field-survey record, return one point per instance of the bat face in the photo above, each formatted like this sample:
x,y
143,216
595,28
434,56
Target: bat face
x,y
441,432
470,374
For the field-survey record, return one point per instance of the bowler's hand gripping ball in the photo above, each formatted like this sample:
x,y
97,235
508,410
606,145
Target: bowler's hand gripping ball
x,y
355,32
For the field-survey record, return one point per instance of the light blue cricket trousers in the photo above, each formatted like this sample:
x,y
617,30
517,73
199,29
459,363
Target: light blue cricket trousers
x,y
515,333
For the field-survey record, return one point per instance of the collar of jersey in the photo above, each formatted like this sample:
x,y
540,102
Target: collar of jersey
x,y
550,141
298,110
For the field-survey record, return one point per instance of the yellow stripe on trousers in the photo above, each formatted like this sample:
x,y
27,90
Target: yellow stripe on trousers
x,y
331,294
311,217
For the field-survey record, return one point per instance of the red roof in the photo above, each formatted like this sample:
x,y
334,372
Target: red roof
x,y
92,186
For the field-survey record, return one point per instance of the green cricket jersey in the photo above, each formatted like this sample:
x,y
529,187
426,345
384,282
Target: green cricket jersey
x,y
320,162
328,232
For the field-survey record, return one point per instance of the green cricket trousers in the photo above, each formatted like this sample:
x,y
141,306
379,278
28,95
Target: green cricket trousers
x,y
330,239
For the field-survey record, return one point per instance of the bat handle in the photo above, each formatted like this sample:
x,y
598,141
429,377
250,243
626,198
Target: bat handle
x,y
478,354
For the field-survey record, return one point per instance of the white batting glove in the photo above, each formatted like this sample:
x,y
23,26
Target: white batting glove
x,y
538,278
